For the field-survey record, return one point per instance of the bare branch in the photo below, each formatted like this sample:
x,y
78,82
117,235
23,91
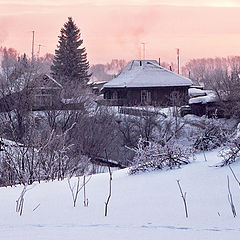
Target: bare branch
x,y
230,199
183,195
75,189
20,200
234,175
110,187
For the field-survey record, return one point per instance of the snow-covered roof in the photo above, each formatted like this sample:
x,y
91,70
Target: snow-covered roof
x,y
196,92
42,80
210,97
147,73
96,82
53,80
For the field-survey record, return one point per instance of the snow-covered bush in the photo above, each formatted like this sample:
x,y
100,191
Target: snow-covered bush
x,y
230,152
150,156
212,136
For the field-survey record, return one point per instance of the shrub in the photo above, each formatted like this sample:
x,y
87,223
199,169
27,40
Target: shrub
x,y
230,152
213,135
150,156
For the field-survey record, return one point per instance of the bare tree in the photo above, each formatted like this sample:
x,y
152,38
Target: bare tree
x,y
93,133
16,98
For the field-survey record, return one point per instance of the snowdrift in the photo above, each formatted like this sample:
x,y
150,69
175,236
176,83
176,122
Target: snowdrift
x,y
142,207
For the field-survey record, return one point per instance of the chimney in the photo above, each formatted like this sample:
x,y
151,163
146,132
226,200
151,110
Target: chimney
x,y
159,61
170,67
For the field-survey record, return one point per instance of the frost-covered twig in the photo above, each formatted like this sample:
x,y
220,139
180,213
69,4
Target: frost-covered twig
x,y
75,189
36,207
85,199
230,199
20,200
234,175
184,198
110,188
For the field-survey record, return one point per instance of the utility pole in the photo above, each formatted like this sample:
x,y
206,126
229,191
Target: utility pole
x,y
39,48
33,45
144,50
178,61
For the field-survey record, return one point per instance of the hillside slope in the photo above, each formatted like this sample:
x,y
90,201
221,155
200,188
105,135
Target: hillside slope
x,y
143,207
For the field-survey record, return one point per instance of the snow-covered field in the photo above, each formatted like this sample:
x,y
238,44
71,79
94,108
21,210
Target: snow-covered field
x,y
143,207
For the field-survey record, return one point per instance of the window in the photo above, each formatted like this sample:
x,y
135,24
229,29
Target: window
x,y
115,95
145,96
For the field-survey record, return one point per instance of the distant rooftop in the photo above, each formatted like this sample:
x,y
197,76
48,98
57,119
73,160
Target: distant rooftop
x,y
147,73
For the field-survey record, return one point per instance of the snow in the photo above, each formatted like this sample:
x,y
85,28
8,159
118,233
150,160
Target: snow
x,y
147,74
210,97
53,80
145,206
96,82
195,92
99,82
168,111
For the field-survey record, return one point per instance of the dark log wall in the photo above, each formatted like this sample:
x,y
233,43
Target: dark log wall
x,y
164,96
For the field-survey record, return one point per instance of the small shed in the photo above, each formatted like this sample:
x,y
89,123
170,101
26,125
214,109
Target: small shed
x,y
145,82
205,102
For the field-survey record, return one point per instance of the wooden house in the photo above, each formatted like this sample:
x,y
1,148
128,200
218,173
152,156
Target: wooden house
x,y
45,91
145,82
42,93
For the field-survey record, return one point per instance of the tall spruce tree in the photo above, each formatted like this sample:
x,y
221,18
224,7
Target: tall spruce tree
x,y
70,64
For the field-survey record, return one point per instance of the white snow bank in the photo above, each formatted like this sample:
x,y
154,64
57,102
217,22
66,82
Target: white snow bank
x,y
146,206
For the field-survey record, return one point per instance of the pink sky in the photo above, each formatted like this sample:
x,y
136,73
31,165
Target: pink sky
x,y
115,29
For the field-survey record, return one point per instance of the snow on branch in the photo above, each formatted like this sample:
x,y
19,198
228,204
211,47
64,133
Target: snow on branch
x,y
151,156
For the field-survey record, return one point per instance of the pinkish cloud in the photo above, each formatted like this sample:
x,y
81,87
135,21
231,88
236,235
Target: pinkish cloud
x,y
111,31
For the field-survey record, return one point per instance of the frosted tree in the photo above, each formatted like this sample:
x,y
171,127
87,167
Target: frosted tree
x,y
150,156
70,64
